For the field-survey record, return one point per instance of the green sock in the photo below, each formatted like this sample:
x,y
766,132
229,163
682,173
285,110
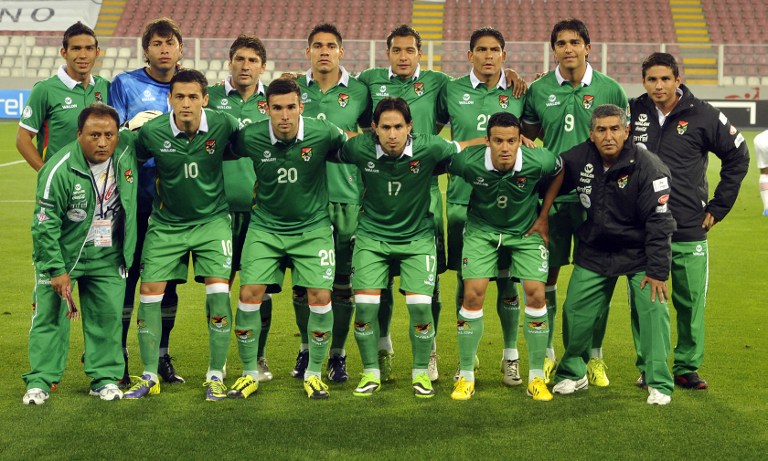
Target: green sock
x,y
422,330
386,308
437,305
301,309
343,309
470,326
367,329
508,308
319,327
219,325
266,323
550,294
248,332
535,332
149,324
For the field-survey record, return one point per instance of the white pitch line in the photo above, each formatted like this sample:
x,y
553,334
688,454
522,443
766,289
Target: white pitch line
x,y
13,163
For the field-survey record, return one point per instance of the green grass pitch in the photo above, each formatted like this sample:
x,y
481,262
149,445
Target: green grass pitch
x,y
723,422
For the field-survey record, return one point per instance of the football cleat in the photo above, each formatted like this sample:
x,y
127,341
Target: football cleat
x,y
166,370
35,396
315,387
144,386
691,381
657,398
107,392
511,371
302,360
538,390
264,373
385,365
432,367
243,387
337,369
215,390
596,372
463,389
641,381
549,369
569,386
422,386
367,386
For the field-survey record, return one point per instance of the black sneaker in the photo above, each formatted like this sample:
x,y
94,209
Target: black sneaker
x,y
337,369
166,371
302,360
691,381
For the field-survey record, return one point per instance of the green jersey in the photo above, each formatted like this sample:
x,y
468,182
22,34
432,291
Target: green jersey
x,y
189,183
291,194
565,112
420,92
504,202
396,199
468,104
346,105
239,176
54,105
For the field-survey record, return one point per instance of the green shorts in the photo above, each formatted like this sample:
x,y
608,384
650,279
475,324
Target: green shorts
x,y
165,256
344,220
436,208
482,251
457,217
372,260
240,220
311,255
564,219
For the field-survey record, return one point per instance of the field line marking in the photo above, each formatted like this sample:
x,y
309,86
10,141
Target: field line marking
x,y
12,163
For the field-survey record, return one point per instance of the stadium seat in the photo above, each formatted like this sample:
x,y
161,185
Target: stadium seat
x,y
727,80
51,51
211,76
5,72
740,80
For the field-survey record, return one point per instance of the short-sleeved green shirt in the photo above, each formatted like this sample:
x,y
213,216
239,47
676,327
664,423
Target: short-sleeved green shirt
x,y
291,188
396,198
239,176
468,104
346,105
54,105
189,182
503,202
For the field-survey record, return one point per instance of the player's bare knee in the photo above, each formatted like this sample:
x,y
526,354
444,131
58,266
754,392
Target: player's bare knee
x,y
252,294
318,297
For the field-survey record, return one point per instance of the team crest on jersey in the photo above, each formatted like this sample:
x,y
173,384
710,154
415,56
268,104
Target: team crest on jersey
x,y
320,336
503,101
682,127
463,325
622,181
219,321
244,335
587,101
129,176
210,146
98,97
422,328
537,325
306,153
262,105
464,262
363,327
418,88
42,217
343,99
521,182
414,166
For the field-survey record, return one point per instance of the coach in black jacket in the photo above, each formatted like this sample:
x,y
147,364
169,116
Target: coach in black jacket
x,y
682,130
624,190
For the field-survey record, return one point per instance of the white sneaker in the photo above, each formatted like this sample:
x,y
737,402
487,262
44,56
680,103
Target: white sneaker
x,y
657,398
264,373
432,367
35,396
569,386
107,392
511,371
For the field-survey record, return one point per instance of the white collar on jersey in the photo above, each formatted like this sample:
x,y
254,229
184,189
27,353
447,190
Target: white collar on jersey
x,y
344,80
476,81
408,151
415,76
202,129
299,136
69,81
585,81
228,88
518,161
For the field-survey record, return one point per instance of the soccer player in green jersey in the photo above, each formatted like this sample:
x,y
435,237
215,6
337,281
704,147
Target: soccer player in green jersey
x,y
503,208
395,231
469,102
243,96
558,108
289,219
55,103
328,92
190,215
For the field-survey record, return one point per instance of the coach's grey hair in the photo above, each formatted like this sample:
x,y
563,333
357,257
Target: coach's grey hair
x,y
608,110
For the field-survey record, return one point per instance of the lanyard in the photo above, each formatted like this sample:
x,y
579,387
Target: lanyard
x,y
103,194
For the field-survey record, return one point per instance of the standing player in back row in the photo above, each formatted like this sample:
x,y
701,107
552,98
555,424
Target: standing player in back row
x,y
469,102
558,109
328,92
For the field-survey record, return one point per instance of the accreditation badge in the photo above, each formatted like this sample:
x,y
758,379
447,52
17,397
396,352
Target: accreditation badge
x,y
102,232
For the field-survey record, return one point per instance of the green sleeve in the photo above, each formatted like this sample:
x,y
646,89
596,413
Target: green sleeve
x,y
50,207
35,112
142,153
446,148
441,106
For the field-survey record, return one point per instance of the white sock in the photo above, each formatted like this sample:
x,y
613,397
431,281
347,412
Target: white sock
x,y
764,190
217,373
535,374
252,373
596,352
374,371
385,344
163,351
551,353
510,354
467,375
304,347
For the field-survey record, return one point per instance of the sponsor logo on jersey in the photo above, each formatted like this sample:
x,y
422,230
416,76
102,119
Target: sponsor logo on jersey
x,y
503,101
586,202
534,325
422,329
622,181
664,199
414,166
370,167
147,96
343,100
382,91
466,99
210,146
98,97
304,97
418,88
328,275
129,176
682,127
219,321
642,118
68,104
244,335
552,101
479,182
225,102
587,175
44,202
463,325
587,101
642,138
363,328
167,147
27,112
584,189
733,131
320,337
262,105
306,153
699,251
521,182
42,217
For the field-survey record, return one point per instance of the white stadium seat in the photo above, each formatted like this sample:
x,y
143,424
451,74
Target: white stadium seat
x,y
111,53
51,51
124,53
